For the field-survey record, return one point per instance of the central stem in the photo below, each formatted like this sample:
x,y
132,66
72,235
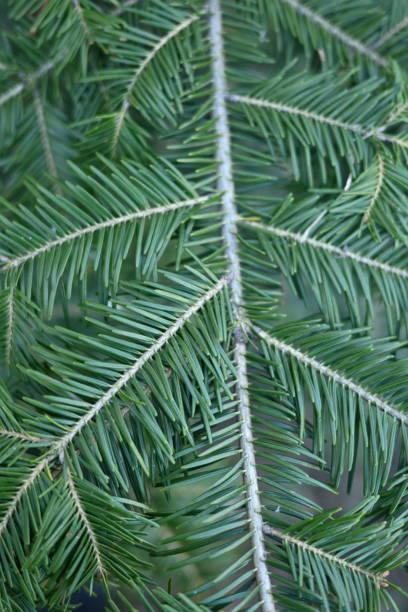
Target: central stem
x,y
226,187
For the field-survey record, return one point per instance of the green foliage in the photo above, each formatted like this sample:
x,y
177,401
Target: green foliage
x,y
203,289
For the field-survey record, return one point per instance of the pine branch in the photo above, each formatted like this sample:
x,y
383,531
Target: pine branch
x,y
345,253
331,374
336,32
226,186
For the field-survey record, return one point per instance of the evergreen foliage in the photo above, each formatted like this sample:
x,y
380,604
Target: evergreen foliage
x,y
175,176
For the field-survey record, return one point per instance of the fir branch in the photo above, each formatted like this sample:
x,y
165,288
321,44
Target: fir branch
x,y
29,80
378,187
9,327
80,13
11,93
149,395
127,4
226,187
22,436
152,53
391,32
84,519
378,579
49,157
326,246
139,363
57,449
32,477
336,32
140,214
292,110
328,372
397,112
376,133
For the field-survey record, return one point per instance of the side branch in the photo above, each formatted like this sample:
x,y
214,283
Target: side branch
x,y
24,487
328,372
376,133
126,5
81,18
10,326
326,246
397,112
125,104
22,436
385,37
226,187
29,80
84,519
378,187
57,449
139,363
336,32
140,214
49,157
314,550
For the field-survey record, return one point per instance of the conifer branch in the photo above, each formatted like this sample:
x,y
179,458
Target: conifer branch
x,y
326,246
391,32
49,157
139,363
226,187
314,550
11,93
29,80
378,187
140,214
126,103
84,519
9,326
376,133
293,110
335,31
127,4
22,436
57,449
32,477
328,372
80,13
397,112
153,378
